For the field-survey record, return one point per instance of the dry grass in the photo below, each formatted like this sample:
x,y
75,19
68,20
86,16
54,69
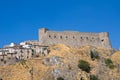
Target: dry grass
x,y
70,56
116,57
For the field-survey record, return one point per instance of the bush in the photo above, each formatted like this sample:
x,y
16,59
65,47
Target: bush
x,y
109,63
93,77
94,55
84,65
81,78
60,78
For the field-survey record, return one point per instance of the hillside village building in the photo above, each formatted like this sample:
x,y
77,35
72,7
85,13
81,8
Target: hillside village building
x,y
74,38
13,53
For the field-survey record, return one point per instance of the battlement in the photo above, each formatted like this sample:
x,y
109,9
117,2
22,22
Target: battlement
x,y
74,38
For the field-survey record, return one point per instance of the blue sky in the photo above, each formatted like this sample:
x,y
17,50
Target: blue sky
x,y
21,19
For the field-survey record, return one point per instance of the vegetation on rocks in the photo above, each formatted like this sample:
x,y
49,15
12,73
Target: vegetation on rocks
x,y
94,55
93,77
60,78
84,65
109,63
81,78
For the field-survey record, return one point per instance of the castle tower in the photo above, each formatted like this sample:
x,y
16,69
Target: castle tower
x,y
42,32
104,40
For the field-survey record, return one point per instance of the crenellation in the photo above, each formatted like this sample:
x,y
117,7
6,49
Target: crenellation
x,y
74,38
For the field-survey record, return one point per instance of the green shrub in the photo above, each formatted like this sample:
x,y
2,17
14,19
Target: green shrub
x,y
84,65
94,55
60,78
93,77
109,63
81,78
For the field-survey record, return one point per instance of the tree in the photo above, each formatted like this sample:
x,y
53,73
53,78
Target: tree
x,y
60,78
94,55
109,63
93,77
84,65
81,78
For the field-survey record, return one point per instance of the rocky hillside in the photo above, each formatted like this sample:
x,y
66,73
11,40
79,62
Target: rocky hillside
x,y
67,63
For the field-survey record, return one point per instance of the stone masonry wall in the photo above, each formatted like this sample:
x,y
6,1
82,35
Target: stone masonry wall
x,y
74,38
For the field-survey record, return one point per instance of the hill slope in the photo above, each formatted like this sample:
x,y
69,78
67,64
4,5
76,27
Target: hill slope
x,y
63,61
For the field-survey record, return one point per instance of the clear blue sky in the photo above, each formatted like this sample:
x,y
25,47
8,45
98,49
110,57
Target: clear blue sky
x,y
21,19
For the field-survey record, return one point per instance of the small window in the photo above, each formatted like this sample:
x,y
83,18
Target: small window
x,y
66,37
4,62
87,38
73,37
20,51
9,57
54,36
81,37
60,37
102,40
2,59
49,36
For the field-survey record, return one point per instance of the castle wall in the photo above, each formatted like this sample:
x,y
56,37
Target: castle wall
x,y
72,38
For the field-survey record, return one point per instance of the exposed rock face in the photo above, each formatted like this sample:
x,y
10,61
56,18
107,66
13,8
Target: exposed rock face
x,y
63,61
53,60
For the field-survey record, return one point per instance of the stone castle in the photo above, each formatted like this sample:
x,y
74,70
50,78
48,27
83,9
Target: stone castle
x,y
13,53
74,38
